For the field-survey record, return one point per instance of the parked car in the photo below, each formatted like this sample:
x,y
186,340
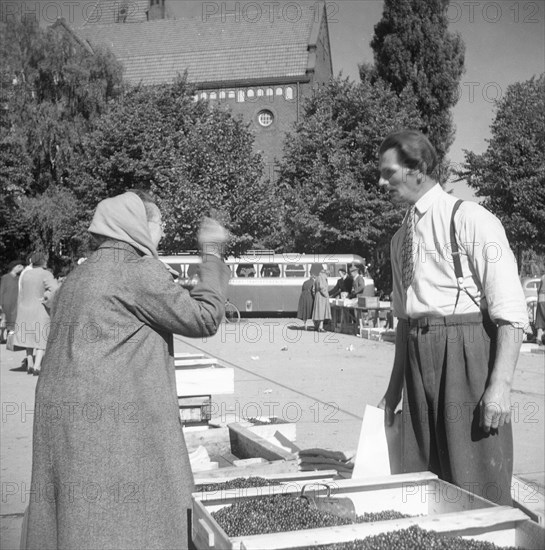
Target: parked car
x,y
530,286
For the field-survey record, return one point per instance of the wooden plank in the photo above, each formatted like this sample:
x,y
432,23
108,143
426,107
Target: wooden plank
x,y
214,440
267,472
206,533
194,363
186,355
261,470
527,497
205,381
247,444
269,430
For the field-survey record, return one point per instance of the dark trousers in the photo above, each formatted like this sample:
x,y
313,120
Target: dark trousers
x,y
449,362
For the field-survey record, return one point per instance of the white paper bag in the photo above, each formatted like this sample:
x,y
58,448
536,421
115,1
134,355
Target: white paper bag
x,y
377,454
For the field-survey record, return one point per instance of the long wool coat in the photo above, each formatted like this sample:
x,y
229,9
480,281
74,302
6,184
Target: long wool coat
x,y
110,465
322,309
306,300
9,291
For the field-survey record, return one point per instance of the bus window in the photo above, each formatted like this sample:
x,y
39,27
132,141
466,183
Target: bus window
x,y
193,270
270,270
295,270
333,269
245,270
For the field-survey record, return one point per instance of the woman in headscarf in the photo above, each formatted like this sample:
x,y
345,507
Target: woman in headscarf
x,y
110,465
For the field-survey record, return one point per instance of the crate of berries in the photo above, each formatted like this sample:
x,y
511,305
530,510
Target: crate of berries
x,y
409,511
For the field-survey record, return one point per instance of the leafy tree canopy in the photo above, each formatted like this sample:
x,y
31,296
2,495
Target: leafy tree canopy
x,y
413,48
195,159
329,176
51,90
510,174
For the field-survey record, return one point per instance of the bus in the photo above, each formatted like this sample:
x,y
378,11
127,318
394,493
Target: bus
x,y
264,282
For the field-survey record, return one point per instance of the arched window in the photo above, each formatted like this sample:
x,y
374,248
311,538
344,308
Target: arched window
x,y
204,95
231,94
250,93
260,92
279,91
289,92
240,96
270,91
213,95
222,94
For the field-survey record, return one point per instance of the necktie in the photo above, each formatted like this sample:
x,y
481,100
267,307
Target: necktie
x,y
407,251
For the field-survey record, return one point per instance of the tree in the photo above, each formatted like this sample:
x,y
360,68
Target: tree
x,y
510,174
413,48
52,89
329,175
196,159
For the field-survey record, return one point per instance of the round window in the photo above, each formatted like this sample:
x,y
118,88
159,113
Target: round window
x,y
265,118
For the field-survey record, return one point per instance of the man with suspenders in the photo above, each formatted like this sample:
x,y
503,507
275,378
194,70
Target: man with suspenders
x,y
461,317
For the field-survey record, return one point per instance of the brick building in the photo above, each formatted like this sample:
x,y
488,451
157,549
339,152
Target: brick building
x,y
259,60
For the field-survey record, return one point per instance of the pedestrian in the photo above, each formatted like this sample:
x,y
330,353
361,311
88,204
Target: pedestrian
x,y
32,324
358,285
321,310
540,312
343,286
9,292
112,455
306,301
460,327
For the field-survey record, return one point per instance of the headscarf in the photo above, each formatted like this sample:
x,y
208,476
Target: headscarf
x,y
123,218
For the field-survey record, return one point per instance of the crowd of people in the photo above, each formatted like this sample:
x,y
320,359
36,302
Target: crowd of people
x,y
111,344
314,302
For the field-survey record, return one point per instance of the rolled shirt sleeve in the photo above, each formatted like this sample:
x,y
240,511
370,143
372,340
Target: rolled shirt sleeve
x,y
484,240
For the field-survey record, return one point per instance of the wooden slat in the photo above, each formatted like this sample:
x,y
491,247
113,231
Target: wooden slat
x,y
266,471
186,355
205,381
195,363
261,470
247,444
527,497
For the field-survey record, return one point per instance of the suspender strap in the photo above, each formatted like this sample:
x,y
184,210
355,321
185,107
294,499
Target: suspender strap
x,y
454,243
456,257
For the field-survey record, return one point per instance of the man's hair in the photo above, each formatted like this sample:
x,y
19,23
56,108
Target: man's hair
x,y
149,202
413,150
342,270
39,259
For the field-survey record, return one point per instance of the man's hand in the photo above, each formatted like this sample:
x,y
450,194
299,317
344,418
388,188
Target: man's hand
x,y
495,407
389,408
212,237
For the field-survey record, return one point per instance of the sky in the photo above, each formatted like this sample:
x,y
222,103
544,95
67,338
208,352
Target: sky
x,y
505,43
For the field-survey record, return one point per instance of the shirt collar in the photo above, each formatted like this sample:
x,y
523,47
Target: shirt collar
x,y
424,203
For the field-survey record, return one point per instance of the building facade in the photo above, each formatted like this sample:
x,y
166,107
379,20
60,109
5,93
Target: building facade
x,y
261,65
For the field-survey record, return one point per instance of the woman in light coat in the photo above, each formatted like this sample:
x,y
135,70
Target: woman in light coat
x,y
322,310
32,325
110,466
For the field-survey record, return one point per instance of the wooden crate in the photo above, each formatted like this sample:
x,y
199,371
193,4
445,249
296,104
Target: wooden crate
x,y
436,505
199,377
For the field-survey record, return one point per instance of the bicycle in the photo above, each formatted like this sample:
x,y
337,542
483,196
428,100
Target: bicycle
x,y
232,314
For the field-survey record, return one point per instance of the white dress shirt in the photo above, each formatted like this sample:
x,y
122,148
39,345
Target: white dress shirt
x,y
488,264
